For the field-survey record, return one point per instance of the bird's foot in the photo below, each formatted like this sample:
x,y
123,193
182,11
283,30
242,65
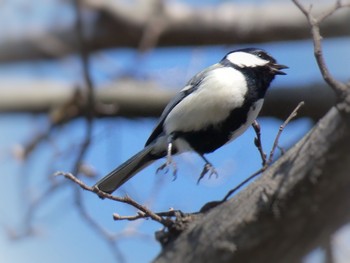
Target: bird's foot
x,y
165,166
208,168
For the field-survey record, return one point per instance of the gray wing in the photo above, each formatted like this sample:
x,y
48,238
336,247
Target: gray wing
x,y
191,86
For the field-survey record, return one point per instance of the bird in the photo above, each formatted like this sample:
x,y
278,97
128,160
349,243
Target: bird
x,y
215,107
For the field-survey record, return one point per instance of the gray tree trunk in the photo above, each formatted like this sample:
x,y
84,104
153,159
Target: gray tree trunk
x,y
294,207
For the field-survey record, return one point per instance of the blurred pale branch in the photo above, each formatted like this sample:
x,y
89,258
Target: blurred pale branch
x,y
131,98
145,24
88,110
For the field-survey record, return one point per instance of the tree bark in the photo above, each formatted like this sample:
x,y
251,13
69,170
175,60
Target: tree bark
x,y
294,207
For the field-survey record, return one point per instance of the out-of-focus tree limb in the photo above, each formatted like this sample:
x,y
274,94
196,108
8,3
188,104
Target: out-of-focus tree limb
x,y
146,24
130,98
280,101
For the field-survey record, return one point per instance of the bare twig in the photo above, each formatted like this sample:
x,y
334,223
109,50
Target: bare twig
x,y
126,199
251,177
272,152
28,228
85,63
280,130
164,218
89,108
339,88
142,215
139,215
257,141
59,116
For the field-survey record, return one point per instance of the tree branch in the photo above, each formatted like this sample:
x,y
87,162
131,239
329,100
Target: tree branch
x,y
280,130
144,99
175,24
340,88
313,174
125,200
266,162
258,143
295,206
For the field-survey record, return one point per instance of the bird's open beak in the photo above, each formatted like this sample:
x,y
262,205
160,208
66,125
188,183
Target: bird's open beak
x,y
276,69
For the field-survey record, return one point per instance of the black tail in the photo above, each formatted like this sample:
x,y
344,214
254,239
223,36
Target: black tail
x,y
124,172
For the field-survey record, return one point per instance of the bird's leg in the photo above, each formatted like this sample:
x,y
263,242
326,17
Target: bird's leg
x,y
208,167
169,158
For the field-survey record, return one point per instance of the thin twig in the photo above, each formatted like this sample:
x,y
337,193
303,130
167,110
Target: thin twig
x,y
339,87
257,141
126,199
272,152
141,215
89,108
280,130
59,116
244,182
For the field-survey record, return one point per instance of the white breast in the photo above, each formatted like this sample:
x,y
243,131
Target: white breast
x,y
220,92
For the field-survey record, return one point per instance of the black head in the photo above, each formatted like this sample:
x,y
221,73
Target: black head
x,y
254,58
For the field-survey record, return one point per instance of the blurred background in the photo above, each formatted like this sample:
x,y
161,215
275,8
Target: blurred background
x,y
130,58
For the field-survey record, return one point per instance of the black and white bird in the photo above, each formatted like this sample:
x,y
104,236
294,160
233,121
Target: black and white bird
x,y
215,107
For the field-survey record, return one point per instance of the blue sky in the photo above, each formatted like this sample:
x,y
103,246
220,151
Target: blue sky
x,y
60,233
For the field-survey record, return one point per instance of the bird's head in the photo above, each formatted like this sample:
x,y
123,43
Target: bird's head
x,y
254,58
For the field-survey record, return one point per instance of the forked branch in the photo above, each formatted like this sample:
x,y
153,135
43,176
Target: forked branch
x,y
126,200
266,162
341,89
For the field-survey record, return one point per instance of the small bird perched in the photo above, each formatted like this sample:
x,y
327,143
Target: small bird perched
x,y
215,107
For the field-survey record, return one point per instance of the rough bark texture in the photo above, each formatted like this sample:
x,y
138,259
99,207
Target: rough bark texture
x,y
292,208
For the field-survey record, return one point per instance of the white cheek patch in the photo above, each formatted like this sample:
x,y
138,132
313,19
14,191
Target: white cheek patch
x,y
243,59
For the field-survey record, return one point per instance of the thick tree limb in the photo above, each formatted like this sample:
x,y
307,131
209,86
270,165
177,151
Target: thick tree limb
x,y
292,208
146,99
297,204
146,24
